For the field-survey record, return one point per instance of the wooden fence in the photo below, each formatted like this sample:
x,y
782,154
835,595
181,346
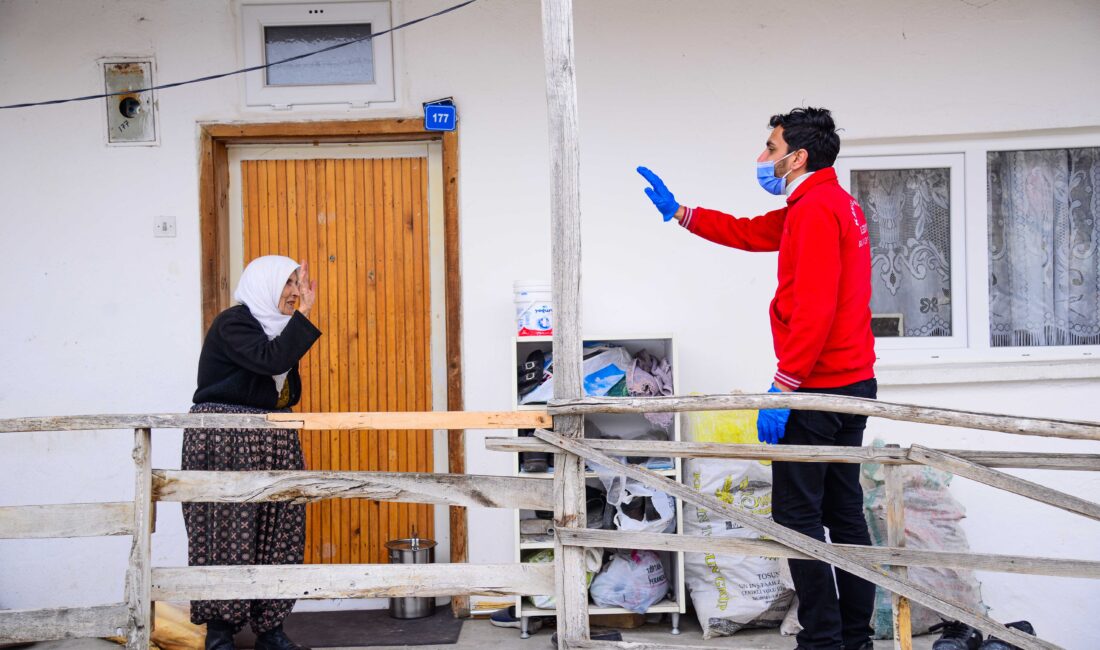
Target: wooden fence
x,y
884,566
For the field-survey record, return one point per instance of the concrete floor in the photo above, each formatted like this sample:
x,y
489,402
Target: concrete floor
x,y
478,634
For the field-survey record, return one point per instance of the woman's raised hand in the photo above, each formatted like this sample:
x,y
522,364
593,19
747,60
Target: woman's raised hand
x,y
307,290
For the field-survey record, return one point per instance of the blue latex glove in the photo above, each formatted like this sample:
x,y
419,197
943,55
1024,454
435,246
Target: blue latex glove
x,y
771,424
659,194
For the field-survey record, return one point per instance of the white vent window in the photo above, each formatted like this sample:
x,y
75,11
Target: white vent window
x,y
358,74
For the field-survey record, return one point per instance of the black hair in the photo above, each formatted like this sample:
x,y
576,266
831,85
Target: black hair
x,y
811,129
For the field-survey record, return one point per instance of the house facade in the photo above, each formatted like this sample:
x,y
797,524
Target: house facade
x,y
988,264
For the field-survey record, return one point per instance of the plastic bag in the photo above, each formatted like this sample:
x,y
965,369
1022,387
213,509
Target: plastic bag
x,y
932,521
638,507
732,592
174,629
633,580
604,367
593,559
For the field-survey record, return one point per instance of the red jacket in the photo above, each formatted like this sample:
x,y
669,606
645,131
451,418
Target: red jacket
x,y
821,313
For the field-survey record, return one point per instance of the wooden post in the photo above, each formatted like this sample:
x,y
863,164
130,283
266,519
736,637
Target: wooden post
x,y
570,584
138,577
895,537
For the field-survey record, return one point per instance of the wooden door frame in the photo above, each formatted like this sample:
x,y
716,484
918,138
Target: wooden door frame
x,y
214,139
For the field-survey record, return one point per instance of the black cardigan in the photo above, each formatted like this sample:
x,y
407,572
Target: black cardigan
x,y
237,360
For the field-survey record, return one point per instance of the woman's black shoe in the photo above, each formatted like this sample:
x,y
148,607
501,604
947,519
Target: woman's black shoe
x,y
219,636
276,640
956,636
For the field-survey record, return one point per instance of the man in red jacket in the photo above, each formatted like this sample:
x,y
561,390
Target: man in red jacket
x,y
821,329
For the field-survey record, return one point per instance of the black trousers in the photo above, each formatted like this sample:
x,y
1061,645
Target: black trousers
x,y
810,497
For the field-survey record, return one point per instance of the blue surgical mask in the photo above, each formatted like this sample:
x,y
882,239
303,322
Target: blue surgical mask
x,y
765,175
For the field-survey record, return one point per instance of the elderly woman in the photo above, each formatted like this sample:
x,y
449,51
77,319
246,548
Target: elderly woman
x,y
249,364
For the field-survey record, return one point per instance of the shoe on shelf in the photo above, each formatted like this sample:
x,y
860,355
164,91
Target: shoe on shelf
x,y
507,618
956,636
993,643
276,640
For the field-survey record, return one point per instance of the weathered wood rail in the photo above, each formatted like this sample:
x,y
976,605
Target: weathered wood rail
x,y
145,584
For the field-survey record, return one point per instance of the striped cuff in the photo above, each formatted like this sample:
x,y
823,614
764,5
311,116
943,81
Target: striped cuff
x,y
688,214
787,380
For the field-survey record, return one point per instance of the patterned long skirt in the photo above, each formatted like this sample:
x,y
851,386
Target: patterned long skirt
x,y
271,532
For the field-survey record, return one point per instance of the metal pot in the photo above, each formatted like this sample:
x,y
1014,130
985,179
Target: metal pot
x,y
412,550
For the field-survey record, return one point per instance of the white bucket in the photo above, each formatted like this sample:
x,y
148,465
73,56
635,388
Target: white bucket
x,y
534,308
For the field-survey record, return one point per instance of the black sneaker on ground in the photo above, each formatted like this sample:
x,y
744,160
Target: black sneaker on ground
x,y
507,618
993,643
956,636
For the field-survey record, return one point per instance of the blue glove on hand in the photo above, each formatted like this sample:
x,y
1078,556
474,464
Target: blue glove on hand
x,y
659,194
771,424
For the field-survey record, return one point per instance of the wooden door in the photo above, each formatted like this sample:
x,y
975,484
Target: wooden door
x,y
362,224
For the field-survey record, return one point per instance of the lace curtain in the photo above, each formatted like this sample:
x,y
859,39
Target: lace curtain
x,y
908,215
1044,282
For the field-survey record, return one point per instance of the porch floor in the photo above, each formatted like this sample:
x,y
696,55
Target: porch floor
x,y
478,634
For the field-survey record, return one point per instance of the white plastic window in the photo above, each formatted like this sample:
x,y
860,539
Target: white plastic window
x,y
358,74
914,211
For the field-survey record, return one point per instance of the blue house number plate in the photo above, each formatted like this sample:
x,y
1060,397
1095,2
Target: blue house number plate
x,y
439,118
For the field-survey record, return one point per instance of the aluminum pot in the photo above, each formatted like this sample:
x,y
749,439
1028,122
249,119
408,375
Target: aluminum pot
x,y
412,550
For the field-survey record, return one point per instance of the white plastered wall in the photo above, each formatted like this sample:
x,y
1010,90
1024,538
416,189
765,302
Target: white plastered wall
x,y
102,317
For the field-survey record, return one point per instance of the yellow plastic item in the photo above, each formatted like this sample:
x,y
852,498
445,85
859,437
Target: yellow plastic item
x,y
174,630
721,426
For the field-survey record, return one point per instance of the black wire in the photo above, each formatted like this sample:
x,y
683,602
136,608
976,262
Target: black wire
x,y
243,70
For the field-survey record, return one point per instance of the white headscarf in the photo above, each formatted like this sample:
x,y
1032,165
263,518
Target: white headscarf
x,y
259,289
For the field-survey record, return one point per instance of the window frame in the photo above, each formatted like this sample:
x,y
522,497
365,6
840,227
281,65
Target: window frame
x,y
255,17
978,361
954,163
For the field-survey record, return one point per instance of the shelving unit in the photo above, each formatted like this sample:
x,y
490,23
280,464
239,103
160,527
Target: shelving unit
x,y
613,425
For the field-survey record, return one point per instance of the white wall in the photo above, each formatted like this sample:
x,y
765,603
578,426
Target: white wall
x,y
101,317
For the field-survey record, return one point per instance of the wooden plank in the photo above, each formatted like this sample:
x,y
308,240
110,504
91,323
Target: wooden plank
x,y
213,226
806,454
1003,481
311,364
413,420
342,535
350,581
456,438
347,129
885,556
66,520
141,421
838,557
895,537
138,604
1046,427
565,253
353,222
303,487
18,625
332,377
380,441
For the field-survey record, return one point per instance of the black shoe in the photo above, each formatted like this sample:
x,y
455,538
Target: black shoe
x,y
276,640
993,643
866,645
607,635
219,636
956,636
